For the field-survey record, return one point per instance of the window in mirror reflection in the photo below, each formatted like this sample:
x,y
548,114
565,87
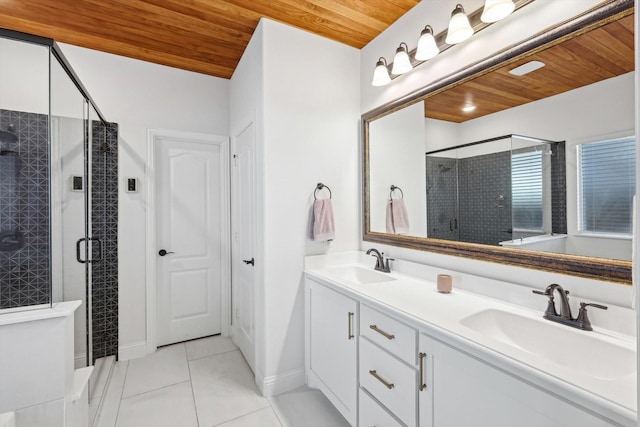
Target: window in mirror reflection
x,y
606,179
527,191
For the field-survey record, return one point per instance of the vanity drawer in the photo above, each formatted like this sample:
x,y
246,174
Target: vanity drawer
x,y
389,380
371,414
388,333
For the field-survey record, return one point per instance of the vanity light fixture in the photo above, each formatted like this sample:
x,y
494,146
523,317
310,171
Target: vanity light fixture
x,y
427,47
401,62
459,27
381,73
495,10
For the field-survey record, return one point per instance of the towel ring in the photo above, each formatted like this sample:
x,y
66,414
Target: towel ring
x,y
320,186
394,188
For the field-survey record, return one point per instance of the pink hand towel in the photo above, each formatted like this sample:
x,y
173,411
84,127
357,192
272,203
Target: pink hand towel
x,y
389,218
397,217
323,225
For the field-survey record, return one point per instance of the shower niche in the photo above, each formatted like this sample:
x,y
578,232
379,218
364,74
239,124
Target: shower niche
x,y
58,240
496,191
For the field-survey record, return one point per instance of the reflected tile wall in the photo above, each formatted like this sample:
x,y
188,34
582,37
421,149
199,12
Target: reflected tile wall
x,y
485,198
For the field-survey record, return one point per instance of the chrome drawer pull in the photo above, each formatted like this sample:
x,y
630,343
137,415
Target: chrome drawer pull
x,y
423,384
379,378
350,332
381,332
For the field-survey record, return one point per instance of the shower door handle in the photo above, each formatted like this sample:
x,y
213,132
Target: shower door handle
x,y
89,239
78,243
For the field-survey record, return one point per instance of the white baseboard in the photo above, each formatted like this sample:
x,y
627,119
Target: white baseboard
x,y
282,383
259,379
80,361
132,351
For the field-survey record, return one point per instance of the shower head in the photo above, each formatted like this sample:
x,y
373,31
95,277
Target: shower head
x,y
8,136
444,168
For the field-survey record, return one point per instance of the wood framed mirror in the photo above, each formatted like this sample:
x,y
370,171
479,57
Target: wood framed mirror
x,y
594,48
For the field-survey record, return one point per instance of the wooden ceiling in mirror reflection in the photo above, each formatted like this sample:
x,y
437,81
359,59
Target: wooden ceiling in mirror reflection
x,y
597,55
205,36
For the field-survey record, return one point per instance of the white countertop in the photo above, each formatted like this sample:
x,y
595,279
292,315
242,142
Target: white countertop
x,y
418,303
60,309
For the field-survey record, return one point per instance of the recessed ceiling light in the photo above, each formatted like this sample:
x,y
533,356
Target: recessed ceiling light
x,y
526,68
468,108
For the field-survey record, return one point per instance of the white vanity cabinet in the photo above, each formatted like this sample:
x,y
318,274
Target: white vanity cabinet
x,y
387,364
331,356
461,390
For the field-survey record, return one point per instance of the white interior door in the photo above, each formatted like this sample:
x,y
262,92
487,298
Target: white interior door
x,y
243,243
191,194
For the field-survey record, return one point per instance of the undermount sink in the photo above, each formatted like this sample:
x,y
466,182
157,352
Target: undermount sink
x,y
570,348
359,275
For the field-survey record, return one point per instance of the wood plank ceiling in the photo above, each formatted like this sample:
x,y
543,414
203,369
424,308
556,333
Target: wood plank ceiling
x,y
591,57
205,36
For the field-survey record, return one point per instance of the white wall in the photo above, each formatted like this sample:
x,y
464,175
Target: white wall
x,y
396,156
138,96
530,20
247,108
307,132
24,77
311,131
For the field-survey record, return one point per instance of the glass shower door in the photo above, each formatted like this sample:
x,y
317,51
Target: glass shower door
x,y
71,203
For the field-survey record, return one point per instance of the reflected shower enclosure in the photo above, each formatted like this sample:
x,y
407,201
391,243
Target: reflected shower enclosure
x,y
496,190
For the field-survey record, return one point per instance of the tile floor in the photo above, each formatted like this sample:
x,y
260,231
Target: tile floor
x,y
204,383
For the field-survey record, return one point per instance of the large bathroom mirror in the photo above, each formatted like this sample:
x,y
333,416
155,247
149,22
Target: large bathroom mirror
x,y
525,158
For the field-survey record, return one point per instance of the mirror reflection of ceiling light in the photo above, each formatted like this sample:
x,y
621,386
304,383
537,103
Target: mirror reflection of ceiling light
x,y
526,68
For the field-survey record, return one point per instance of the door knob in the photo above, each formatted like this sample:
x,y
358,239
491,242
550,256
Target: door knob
x,y
163,252
249,261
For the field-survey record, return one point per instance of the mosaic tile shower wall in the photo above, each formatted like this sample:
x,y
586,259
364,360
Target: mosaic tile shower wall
x,y
485,198
24,211
469,199
104,225
442,199
462,198
558,189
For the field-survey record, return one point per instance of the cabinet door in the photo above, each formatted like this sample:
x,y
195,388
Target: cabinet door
x,y
333,347
465,391
374,415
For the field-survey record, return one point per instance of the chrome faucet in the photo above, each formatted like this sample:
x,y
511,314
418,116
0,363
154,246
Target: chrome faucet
x,y
580,322
381,265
